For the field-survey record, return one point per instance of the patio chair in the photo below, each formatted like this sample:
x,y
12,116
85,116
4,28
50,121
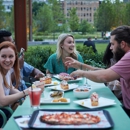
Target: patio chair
x,y
4,118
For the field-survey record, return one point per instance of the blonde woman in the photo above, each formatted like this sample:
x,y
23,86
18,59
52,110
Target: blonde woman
x,y
65,47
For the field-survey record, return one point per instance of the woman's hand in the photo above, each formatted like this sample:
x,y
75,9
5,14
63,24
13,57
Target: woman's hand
x,y
70,62
27,91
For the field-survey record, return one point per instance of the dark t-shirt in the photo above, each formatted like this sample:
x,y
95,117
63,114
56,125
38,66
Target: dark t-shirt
x,y
90,43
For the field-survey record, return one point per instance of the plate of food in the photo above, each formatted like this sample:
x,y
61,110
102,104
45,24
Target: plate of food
x,y
71,119
102,102
67,77
55,101
52,83
64,86
56,94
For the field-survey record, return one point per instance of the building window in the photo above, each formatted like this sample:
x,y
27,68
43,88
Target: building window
x,y
8,7
94,8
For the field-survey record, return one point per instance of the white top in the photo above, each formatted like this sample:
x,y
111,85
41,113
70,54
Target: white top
x,y
8,79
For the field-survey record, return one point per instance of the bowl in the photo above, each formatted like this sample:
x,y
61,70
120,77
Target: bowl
x,y
82,92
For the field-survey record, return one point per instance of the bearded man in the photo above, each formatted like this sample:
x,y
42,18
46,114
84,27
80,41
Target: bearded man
x,y
120,47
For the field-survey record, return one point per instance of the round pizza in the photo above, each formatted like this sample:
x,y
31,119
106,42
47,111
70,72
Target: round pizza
x,y
76,118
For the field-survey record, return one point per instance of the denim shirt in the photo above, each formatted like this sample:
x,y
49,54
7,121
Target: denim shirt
x,y
25,72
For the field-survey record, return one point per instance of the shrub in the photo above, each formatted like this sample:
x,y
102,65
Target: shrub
x,y
91,58
37,56
38,38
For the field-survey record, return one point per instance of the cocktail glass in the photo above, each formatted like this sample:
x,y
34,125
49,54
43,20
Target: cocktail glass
x,y
35,95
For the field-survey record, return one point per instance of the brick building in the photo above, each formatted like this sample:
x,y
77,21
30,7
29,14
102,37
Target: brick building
x,y
85,8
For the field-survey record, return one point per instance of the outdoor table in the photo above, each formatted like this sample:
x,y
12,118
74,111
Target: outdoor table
x,y
119,117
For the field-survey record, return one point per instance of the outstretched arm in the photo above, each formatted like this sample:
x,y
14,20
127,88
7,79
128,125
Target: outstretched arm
x,y
70,62
36,73
101,76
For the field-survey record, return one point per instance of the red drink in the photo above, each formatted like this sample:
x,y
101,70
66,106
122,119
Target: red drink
x,y
35,95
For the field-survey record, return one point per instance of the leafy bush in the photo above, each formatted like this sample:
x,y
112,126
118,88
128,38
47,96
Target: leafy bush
x,y
37,56
91,58
38,38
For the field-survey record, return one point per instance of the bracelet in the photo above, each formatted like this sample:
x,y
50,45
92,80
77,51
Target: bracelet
x,y
24,93
81,66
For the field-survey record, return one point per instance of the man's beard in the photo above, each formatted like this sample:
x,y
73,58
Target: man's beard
x,y
119,54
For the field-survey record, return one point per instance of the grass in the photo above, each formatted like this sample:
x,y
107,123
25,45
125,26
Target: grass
x,y
99,46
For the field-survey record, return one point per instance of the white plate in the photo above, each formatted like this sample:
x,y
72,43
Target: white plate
x,y
52,83
78,79
103,102
54,97
49,101
58,87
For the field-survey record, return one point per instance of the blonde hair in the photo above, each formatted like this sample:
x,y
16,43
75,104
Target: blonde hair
x,y
8,44
60,42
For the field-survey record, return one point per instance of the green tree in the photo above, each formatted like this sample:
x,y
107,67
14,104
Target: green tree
x,y
73,20
36,6
2,15
119,13
85,27
127,14
104,16
43,19
59,20
10,20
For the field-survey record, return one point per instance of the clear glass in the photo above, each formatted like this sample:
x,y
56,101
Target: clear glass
x,y
86,83
39,84
35,95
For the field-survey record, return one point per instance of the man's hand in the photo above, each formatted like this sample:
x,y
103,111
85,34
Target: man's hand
x,y
39,75
21,61
77,73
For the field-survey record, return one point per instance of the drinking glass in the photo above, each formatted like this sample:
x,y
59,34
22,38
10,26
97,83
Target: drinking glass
x,y
39,84
116,85
35,95
86,83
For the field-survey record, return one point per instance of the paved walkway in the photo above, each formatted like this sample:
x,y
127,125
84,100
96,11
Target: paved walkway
x,y
55,41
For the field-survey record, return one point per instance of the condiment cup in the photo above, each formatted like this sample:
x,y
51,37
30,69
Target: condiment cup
x,y
82,92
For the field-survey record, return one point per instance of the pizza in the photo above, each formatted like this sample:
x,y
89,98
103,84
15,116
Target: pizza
x,y
64,118
65,76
